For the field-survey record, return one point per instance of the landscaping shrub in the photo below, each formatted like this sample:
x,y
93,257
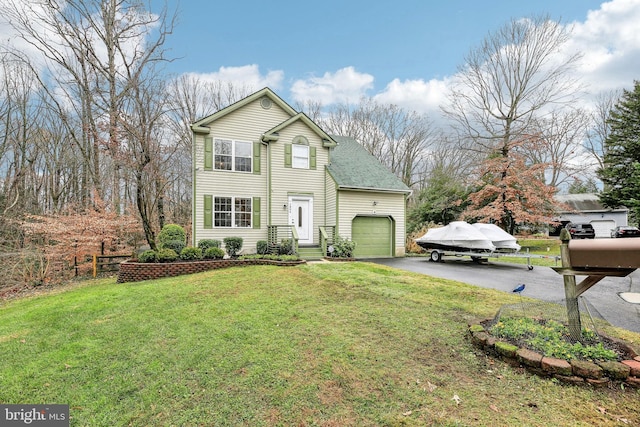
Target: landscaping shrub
x,y
233,245
262,247
549,338
190,253
272,257
286,247
289,258
343,248
213,253
205,244
148,256
167,255
176,245
171,232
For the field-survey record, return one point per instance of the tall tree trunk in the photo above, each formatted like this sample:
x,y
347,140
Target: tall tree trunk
x,y
143,210
160,203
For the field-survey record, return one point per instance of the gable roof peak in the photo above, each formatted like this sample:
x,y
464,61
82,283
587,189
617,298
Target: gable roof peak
x,y
202,125
272,134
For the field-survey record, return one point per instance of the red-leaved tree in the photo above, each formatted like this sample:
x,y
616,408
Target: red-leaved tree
x,y
511,192
53,242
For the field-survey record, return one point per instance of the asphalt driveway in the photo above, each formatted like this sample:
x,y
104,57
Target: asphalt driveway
x,y
542,283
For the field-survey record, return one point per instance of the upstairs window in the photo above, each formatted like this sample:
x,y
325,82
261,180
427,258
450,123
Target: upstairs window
x,y
300,156
233,155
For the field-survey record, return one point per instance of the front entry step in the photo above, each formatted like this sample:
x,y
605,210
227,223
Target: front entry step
x,y
310,252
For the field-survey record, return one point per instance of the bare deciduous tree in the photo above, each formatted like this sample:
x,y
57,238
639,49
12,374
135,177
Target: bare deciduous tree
x,y
558,144
600,128
398,138
513,75
89,49
21,129
191,98
506,84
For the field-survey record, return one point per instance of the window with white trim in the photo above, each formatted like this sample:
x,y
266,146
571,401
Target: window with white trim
x,y
232,212
300,156
233,155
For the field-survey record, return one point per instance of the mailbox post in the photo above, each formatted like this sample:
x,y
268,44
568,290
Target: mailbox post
x,y
570,292
595,259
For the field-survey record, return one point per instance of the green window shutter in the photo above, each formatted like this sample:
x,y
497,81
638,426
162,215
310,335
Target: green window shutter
x,y
208,153
312,157
287,155
256,158
256,212
208,211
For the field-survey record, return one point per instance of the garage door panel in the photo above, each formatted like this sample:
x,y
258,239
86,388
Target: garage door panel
x,y
603,227
373,236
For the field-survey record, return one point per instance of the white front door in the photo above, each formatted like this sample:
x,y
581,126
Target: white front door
x,y
301,217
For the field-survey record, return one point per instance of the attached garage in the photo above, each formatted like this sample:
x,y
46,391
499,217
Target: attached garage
x,y
373,236
368,201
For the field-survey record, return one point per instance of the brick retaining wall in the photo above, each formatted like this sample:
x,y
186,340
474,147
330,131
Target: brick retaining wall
x,y
131,271
599,374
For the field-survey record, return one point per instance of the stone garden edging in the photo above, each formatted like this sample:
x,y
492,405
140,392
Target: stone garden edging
x,y
132,271
598,374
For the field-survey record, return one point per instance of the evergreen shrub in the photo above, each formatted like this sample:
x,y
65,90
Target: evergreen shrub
x,y
233,245
190,253
214,253
205,244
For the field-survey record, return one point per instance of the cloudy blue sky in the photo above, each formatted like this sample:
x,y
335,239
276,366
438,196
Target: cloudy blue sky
x,y
402,51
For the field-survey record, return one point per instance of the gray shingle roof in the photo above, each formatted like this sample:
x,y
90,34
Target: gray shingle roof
x,y
353,167
588,202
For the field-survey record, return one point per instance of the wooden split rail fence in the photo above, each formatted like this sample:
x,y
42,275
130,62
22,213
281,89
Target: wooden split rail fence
x,y
103,263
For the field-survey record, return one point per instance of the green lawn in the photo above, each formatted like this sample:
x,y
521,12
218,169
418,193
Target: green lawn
x,y
330,344
546,252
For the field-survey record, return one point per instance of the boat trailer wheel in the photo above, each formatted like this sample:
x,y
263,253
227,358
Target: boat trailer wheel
x,y
436,256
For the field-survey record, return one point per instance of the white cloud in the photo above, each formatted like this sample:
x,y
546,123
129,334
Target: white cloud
x,y
345,85
610,42
608,38
415,95
247,75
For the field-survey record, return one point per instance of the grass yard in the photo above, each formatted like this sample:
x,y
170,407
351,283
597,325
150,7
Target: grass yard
x,y
549,249
330,344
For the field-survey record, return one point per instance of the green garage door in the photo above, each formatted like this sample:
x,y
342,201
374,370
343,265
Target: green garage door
x,y
373,236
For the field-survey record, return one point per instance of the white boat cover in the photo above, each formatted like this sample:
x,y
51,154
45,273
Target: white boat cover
x,y
502,240
458,235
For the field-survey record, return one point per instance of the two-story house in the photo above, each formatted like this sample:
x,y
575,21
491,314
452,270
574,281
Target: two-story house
x,y
263,171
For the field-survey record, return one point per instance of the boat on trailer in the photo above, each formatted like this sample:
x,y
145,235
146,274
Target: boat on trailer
x,y
479,241
457,235
503,241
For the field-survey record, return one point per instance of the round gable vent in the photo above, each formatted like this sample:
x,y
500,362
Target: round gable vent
x,y
265,103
